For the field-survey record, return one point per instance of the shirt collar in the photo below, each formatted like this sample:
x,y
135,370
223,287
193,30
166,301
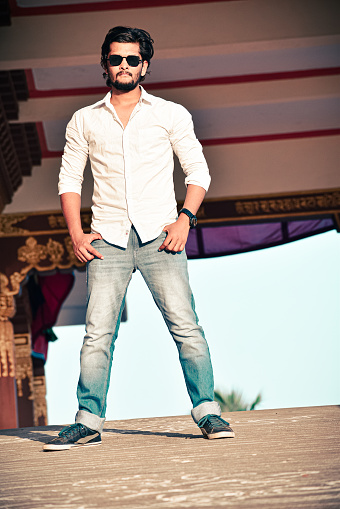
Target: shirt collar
x,y
144,97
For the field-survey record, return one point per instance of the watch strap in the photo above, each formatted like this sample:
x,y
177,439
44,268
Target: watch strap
x,y
191,216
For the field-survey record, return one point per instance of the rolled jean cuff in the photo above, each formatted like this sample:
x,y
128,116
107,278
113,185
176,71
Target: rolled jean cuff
x,y
208,407
92,421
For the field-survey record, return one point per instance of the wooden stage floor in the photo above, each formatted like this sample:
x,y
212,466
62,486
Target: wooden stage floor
x,y
284,458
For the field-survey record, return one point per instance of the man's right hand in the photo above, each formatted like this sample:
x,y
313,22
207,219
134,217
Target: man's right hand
x,y
82,247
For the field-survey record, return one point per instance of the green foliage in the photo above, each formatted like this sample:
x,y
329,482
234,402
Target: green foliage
x,y
233,401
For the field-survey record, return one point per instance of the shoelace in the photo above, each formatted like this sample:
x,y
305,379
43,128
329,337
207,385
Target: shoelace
x,y
217,421
72,430
214,420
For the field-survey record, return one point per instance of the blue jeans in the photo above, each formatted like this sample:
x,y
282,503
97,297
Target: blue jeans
x,y
167,278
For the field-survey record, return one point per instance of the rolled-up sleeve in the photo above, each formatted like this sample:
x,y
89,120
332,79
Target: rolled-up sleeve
x,y
188,149
75,156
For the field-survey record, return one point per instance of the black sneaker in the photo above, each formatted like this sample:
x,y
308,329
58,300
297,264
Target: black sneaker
x,y
75,435
213,426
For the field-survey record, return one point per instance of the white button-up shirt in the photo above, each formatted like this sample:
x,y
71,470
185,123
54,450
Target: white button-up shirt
x,y
133,167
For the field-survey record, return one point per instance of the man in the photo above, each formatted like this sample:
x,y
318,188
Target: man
x,y
130,137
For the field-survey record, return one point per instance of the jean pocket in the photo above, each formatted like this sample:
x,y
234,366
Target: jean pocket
x,y
98,242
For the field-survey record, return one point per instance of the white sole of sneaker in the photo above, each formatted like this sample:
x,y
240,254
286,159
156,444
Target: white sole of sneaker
x,y
221,434
52,447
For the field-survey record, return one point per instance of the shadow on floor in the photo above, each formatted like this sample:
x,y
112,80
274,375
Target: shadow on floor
x,y
152,433
39,434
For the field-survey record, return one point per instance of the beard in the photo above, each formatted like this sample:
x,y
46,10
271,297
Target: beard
x,y
127,87
123,85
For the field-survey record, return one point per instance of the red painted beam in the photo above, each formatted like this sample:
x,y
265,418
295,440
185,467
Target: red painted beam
x,y
46,153
202,82
99,6
270,137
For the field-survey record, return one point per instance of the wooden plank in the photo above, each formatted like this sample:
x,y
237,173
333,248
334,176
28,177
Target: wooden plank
x,y
287,458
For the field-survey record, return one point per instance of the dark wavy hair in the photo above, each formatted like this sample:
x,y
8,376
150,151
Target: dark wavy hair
x,y
127,34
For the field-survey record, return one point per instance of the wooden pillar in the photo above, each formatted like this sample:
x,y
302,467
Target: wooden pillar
x,y
24,379
8,392
40,405
29,373
23,359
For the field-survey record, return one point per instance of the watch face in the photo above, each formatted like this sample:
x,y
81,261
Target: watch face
x,y
193,222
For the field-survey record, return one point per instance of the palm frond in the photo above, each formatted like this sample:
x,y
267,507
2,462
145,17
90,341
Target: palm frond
x,y
233,401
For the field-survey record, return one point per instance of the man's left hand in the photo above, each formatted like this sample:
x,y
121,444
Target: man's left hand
x,y
177,235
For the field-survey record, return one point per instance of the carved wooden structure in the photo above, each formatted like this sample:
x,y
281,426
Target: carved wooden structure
x,y
32,242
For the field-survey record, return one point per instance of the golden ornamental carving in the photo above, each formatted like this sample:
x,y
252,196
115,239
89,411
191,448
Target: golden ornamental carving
x,y
23,370
7,310
288,205
56,222
73,260
39,402
55,251
32,252
23,363
7,222
7,365
16,279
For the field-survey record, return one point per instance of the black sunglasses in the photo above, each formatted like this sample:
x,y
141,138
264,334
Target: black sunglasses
x,y
132,60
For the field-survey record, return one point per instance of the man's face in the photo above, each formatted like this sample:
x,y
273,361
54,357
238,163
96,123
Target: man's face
x,y
123,76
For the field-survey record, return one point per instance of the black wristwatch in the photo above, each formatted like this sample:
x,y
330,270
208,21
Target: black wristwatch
x,y
191,216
